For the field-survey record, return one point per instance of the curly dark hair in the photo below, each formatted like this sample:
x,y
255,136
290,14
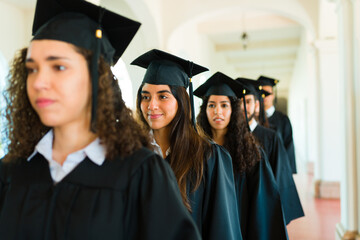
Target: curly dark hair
x,y
240,143
115,125
188,148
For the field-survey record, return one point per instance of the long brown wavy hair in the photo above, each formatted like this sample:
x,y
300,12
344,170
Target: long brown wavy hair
x,y
189,149
115,125
240,143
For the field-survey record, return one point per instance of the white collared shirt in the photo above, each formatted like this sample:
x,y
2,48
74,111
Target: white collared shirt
x,y
94,151
157,148
253,125
270,111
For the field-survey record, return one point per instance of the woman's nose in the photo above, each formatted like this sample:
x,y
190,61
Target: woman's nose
x,y
153,104
39,79
218,110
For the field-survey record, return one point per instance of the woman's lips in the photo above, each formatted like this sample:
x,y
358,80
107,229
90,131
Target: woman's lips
x,y
154,116
218,120
44,102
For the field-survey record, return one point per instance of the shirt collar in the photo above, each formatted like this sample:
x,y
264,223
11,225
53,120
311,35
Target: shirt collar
x,y
94,151
157,148
270,111
253,125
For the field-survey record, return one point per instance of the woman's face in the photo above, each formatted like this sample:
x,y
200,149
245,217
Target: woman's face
x,y
58,83
218,111
158,105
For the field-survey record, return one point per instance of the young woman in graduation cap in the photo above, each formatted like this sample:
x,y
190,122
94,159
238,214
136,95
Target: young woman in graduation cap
x,y
77,167
259,204
203,170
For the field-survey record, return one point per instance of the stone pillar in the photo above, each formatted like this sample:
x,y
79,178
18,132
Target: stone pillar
x,y
348,227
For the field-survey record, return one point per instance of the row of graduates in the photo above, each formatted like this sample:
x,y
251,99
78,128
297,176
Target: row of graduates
x,y
79,166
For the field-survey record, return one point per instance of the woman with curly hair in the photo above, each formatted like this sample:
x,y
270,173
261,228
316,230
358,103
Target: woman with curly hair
x,y
220,117
202,169
78,166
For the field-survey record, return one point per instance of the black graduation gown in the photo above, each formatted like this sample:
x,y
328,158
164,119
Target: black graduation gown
x,y
276,153
260,210
213,204
281,123
132,198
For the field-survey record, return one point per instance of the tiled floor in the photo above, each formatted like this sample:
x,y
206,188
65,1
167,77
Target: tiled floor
x,y
321,215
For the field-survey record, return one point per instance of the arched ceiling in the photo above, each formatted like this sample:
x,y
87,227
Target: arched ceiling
x,y
271,46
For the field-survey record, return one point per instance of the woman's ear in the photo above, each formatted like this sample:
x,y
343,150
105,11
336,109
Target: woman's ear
x,y
257,106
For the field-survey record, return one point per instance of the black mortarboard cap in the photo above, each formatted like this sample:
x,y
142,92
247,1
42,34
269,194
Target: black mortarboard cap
x,y
77,21
88,26
167,69
220,84
267,81
255,88
250,84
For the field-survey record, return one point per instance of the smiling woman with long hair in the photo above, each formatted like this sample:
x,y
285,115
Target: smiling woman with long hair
x,y
260,210
203,170
78,166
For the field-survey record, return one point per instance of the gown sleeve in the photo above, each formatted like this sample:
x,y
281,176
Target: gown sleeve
x,y
156,210
220,218
265,218
285,181
289,143
3,184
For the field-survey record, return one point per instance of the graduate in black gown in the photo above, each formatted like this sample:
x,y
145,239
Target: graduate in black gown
x,y
278,120
273,146
203,169
78,165
260,210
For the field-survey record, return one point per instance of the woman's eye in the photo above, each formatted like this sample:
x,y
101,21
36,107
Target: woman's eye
x,y
31,70
225,106
60,67
211,105
163,97
143,97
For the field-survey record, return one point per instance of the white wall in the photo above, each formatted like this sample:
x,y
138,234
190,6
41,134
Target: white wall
x,y
332,147
299,105
187,43
14,25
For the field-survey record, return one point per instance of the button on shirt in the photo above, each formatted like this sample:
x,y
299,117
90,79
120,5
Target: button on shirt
x,y
270,111
94,151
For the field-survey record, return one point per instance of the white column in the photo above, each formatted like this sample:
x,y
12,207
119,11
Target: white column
x,y
349,182
331,147
356,81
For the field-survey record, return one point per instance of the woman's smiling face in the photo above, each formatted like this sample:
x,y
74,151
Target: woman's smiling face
x,y
158,105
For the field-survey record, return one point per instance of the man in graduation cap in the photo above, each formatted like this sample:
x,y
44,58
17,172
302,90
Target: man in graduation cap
x,y
278,120
78,166
274,149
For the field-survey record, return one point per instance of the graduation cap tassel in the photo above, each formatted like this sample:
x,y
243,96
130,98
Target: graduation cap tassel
x,y
94,71
191,65
262,112
245,111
